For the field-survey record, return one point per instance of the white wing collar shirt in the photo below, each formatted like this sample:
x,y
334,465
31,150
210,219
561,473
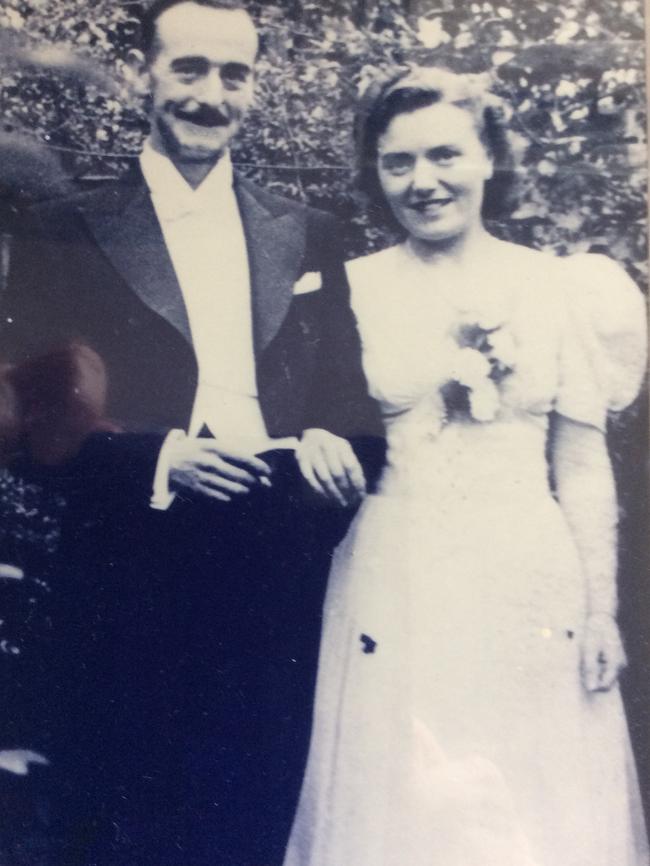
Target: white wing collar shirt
x,y
205,240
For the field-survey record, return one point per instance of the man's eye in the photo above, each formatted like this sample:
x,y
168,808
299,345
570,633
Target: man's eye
x,y
235,74
397,163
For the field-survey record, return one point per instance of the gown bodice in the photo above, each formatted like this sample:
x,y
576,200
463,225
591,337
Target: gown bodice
x,y
567,335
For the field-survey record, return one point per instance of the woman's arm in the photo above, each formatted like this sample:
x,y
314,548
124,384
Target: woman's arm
x,y
587,495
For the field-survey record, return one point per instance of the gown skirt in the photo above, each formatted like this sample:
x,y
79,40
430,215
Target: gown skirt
x,y
452,727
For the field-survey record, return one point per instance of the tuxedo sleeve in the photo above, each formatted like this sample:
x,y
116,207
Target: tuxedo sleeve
x,y
117,469
55,376
339,400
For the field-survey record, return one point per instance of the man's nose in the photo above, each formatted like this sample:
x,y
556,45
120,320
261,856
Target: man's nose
x,y
212,89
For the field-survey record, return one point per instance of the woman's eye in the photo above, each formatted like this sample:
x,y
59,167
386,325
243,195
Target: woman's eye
x,y
397,163
444,155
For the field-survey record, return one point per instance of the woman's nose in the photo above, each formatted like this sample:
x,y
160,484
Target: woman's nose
x,y
425,176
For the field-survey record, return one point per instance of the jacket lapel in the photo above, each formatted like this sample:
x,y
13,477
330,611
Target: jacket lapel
x,y
124,224
126,228
276,244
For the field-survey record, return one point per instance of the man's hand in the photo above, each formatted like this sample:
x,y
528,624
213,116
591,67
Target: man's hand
x,y
203,466
17,761
603,656
330,467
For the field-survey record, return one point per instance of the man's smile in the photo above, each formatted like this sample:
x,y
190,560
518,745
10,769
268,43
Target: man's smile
x,y
204,117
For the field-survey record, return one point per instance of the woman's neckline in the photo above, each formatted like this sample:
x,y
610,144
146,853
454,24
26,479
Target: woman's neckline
x,y
476,283
479,244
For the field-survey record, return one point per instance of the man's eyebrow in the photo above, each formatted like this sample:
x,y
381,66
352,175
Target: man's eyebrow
x,y
236,66
189,60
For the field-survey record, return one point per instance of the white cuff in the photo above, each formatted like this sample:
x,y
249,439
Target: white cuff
x,y
161,495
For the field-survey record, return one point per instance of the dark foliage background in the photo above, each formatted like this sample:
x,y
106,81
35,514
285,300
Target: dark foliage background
x,y
572,73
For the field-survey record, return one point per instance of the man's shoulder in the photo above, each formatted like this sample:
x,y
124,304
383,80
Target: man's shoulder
x,y
103,196
278,204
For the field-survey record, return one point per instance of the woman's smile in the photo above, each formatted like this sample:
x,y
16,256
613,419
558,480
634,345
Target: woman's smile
x,y
431,206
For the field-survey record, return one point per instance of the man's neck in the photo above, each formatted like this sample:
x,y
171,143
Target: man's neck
x,y
193,172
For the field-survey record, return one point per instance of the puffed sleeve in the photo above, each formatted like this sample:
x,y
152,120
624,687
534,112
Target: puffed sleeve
x,y
602,339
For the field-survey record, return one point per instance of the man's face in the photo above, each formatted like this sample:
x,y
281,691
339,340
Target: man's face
x,y
200,76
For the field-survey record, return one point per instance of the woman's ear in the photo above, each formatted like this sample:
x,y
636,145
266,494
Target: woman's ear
x,y
488,165
135,71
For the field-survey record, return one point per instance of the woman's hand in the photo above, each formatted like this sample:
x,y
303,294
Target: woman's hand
x,y
330,467
603,656
587,494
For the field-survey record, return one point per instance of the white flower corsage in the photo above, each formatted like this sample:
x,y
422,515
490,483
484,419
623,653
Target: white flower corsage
x,y
484,358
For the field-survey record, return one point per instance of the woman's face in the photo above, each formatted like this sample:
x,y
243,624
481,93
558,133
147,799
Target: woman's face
x,y
432,167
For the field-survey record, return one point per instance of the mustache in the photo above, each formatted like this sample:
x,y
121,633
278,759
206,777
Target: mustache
x,y
204,115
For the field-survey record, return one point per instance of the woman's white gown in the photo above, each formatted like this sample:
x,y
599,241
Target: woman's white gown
x,y
451,726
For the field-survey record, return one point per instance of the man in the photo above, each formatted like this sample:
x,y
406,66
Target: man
x,y
219,313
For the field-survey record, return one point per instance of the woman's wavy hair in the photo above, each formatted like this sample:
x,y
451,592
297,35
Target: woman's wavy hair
x,y
415,87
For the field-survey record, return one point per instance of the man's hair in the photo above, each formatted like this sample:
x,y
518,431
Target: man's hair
x,y
153,11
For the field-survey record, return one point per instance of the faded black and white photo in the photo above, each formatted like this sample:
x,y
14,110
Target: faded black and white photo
x,y
324,434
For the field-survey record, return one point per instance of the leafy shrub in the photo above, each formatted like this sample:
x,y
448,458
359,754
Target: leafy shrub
x,y
572,73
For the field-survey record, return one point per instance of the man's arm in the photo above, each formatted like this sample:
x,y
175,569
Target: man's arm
x,y
60,382
342,449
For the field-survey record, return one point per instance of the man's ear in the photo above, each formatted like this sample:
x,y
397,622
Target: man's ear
x,y
135,70
254,91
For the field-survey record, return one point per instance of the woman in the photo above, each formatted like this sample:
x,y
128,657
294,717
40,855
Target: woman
x,y
467,709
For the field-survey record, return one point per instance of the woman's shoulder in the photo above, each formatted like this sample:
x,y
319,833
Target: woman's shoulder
x,y
592,280
590,289
514,269
366,271
586,311
605,324
592,268
599,289
517,260
597,270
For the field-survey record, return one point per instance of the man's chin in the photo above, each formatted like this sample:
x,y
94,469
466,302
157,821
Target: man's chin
x,y
201,146
199,155
197,147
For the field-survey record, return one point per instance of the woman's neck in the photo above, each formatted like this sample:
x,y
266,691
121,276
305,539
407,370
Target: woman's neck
x,y
457,249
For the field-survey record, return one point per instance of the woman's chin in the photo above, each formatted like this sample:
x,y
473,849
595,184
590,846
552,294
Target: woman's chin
x,y
436,235
433,228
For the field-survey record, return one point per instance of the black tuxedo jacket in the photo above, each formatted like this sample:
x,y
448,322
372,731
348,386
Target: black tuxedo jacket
x,y
94,268
148,604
